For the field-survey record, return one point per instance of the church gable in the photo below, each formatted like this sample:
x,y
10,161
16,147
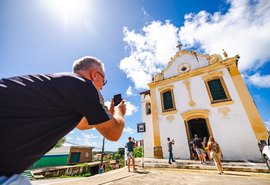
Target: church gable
x,y
186,61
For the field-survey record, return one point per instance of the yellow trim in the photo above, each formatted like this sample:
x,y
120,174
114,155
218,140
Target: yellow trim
x,y
156,132
252,112
214,76
168,87
162,90
169,112
223,103
193,114
190,74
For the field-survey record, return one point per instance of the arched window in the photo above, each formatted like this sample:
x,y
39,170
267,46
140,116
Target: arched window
x,y
148,108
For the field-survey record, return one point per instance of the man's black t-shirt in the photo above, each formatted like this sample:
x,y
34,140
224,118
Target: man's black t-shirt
x,y
130,146
38,110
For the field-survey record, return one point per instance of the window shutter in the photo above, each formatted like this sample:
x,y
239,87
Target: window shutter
x,y
217,90
167,100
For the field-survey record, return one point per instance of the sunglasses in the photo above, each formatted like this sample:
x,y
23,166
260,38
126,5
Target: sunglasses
x,y
104,80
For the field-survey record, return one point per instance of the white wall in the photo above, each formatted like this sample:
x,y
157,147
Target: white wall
x,y
148,135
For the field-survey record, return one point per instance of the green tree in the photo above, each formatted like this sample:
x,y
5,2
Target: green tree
x,y
138,151
121,151
60,142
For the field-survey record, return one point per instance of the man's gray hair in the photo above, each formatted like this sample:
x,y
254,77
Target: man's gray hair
x,y
86,63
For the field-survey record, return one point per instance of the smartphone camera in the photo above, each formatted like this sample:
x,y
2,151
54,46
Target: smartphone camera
x,y
117,99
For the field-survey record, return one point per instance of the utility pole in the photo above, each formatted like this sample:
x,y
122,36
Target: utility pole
x,y
101,170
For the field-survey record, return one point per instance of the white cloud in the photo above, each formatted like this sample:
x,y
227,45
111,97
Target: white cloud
x,y
129,91
88,136
243,29
149,52
267,124
107,103
129,130
130,108
113,146
259,81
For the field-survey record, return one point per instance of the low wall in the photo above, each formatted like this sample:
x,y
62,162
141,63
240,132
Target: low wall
x,y
92,168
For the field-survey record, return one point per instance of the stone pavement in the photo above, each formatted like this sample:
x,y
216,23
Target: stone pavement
x,y
169,176
186,169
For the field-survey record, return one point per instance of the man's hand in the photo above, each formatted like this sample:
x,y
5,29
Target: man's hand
x,y
111,129
120,109
111,110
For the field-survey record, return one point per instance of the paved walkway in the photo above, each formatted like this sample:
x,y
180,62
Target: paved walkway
x,y
165,176
187,169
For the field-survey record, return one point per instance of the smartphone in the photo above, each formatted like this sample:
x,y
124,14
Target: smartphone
x,y
117,99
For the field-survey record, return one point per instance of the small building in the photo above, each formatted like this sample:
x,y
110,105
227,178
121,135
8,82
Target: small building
x,y
80,154
64,156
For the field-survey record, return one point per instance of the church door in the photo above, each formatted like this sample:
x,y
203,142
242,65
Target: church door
x,y
199,127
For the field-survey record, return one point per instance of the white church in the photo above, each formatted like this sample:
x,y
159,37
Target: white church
x,y
204,95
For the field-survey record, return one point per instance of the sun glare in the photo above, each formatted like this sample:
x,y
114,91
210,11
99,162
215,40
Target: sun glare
x,y
68,10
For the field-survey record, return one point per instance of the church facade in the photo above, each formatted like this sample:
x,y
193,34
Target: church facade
x,y
204,95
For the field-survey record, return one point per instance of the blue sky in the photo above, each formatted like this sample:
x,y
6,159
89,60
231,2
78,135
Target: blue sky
x,y
135,39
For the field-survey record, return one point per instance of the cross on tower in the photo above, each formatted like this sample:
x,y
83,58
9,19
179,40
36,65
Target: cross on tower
x,y
179,46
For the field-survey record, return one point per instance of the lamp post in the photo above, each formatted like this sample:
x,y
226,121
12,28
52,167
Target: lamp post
x,y
101,170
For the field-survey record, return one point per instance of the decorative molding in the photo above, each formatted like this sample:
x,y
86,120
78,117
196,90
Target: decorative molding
x,y
158,77
181,53
192,114
187,84
183,68
215,58
195,114
168,87
170,118
212,75
222,103
224,111
169,112
228,63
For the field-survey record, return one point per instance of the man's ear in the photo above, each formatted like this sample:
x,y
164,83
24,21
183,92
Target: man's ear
x,y
93,74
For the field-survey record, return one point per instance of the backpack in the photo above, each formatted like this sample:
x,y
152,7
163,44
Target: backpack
x,y
216,147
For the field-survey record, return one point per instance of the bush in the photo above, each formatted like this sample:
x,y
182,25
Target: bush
x,y
138,151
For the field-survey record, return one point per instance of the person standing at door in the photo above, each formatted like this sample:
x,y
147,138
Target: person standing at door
x,y
215,153
170,143
206,153
197,144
